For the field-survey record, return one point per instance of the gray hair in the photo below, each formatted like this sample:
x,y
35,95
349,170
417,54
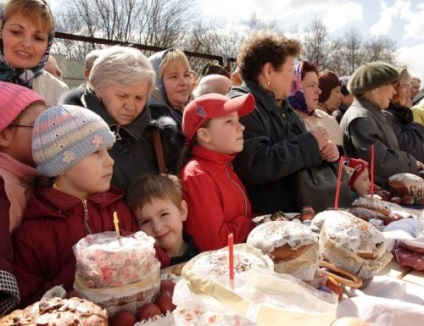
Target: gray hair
x,y
121,65
91,57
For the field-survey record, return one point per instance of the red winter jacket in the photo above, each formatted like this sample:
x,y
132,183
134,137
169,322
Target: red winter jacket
x,y
52,224
217,201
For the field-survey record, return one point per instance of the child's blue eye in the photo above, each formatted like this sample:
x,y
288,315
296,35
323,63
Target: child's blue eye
x,y
143,222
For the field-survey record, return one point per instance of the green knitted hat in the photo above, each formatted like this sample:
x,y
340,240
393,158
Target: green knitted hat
x,y
370,76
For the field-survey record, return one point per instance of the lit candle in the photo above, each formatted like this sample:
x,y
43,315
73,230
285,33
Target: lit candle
x,y
339,181
116,224
231,258
372,171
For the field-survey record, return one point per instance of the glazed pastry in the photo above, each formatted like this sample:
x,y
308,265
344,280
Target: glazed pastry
x,y
406,184
282,240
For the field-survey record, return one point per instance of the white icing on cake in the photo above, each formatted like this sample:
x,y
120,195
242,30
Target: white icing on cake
x,y
216,265
353,233
271,235
373,204
413,183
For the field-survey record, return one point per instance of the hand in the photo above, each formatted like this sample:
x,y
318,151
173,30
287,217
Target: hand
x,y
321,136
330,152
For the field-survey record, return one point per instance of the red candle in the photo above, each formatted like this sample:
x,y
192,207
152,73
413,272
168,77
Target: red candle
x,y
372,171
339,181
231,258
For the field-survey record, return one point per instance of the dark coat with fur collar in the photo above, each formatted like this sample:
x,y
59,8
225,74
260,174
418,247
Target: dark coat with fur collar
x,y
134,151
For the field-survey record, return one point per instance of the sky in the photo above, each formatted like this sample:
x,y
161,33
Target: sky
x,y
401,20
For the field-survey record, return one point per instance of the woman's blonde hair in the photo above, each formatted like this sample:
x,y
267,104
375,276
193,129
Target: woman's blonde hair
x,y
37,11
172,58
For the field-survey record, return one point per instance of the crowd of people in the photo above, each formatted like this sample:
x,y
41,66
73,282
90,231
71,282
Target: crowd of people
x,y
186,161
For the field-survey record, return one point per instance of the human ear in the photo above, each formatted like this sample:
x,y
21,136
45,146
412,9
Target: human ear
x,y
203,135
6,137
184,210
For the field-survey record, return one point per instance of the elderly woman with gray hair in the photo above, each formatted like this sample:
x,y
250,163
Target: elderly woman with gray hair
x,y
364,124
119,85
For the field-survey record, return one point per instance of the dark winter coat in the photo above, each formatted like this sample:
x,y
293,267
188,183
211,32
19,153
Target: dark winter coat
x,y
276,146
409,134
364,124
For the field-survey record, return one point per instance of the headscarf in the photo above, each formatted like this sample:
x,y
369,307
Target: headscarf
x,y
297,98
20,76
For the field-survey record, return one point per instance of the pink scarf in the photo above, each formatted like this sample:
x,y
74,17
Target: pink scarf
x,y
15,175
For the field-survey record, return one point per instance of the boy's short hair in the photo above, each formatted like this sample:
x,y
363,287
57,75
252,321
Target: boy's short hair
x,y
147,187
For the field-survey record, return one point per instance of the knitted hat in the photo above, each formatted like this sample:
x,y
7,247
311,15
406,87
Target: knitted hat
x,y
210,106
327,81
63,135
370,76
354,167
15,99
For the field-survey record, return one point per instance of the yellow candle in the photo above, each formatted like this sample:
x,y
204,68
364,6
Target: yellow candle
x,y
116,223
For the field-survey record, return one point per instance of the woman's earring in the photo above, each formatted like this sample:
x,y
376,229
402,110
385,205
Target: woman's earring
x,y
267,83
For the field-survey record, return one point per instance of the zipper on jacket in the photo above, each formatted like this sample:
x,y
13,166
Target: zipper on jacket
x,y
117,134
238,186
86,217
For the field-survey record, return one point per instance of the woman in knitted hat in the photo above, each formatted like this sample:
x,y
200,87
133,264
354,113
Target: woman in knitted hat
x,y
71,198
119,86
304,98
19,107
409,134
27,32
365,125
330,97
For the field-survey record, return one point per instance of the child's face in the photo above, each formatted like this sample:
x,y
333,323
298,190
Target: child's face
x,y
89,176
24,43
362,184
178,85
16,140
224,134
163,220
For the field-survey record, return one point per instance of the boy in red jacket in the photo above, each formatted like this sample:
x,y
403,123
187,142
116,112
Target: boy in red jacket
x,y
217,200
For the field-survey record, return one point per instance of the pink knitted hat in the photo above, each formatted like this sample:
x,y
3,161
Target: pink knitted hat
x,y
13,100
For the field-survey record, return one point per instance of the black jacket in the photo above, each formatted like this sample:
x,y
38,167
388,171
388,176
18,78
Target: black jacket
x,y
409,134
134,152
276,146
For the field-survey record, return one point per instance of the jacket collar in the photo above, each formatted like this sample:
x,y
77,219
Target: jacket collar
x,y
134,129
212,156
58,201
266,98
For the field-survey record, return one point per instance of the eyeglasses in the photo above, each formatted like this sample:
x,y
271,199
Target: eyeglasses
x,y
23,126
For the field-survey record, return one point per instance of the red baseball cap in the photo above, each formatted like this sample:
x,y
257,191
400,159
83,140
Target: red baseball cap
x,y
354,167
213,105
